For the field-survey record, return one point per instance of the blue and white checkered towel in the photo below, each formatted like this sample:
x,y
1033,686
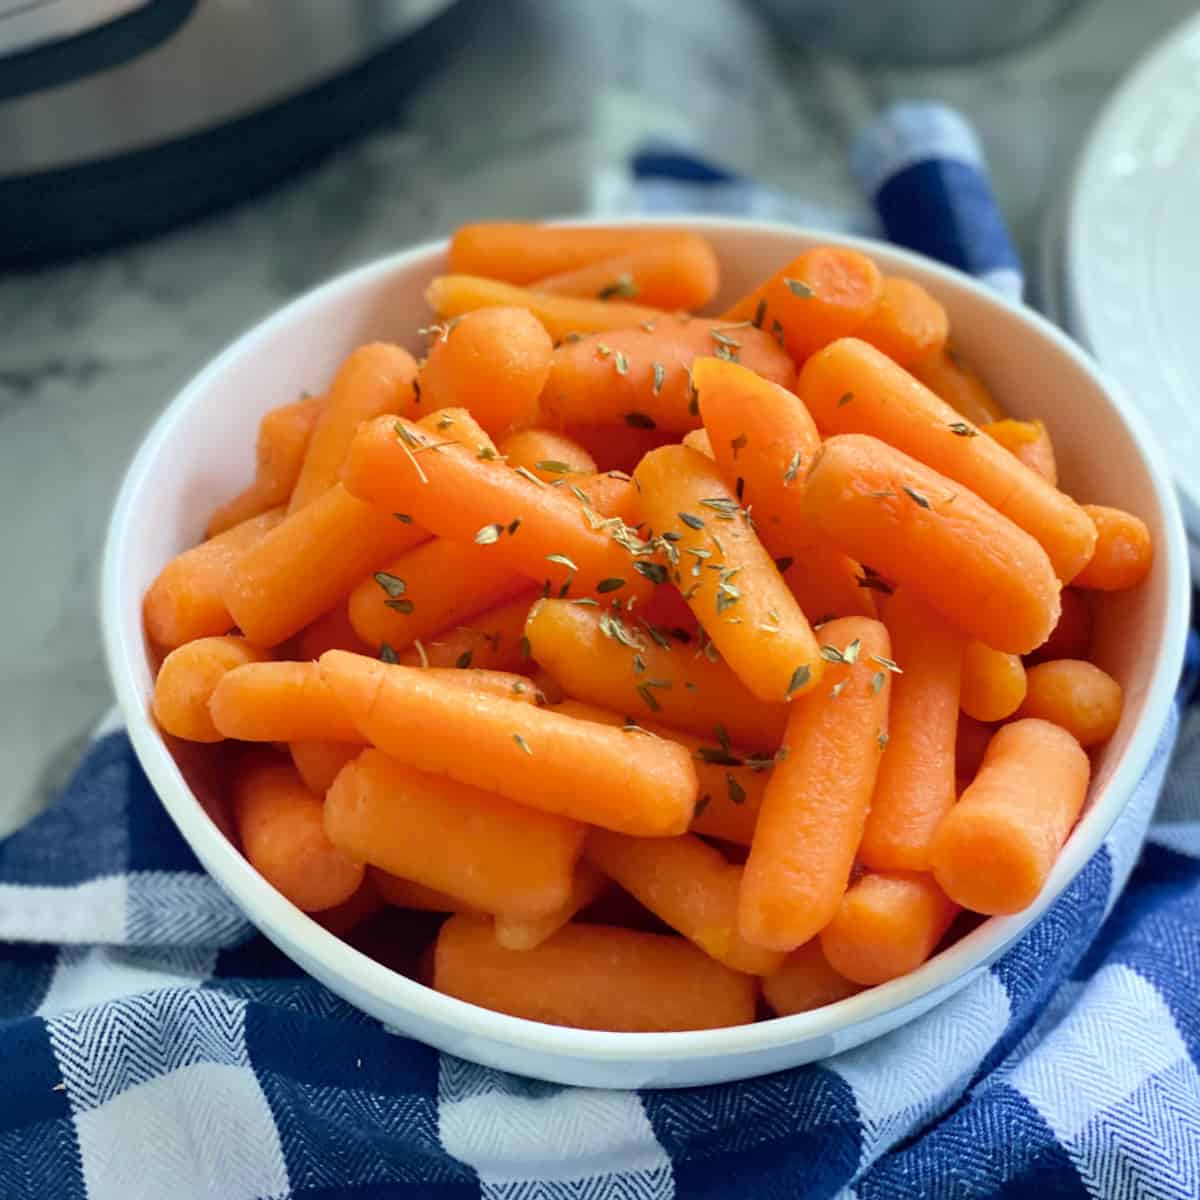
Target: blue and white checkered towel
x,y
153,1046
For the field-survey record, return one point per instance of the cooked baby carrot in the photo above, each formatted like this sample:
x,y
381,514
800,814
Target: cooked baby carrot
x,y
726,575
698,440
280,824
907,324
186,680
433,587
494,640
506,857
609,777
993,683
995,847
816,804
826,293
561,316
539,531
687,883
185,601
283,436
607,494
524,252
319,762
374,379
280,702
640,376
550,456
915,786
618,447
828,584
458,425
494,362
516,933
330,631
667,610
595,656
1072,636
405,893
804,982
1124,551
923,531
850,387
593,977
949,377
1029,441
886,926
970,746
1079,696
344,918
679,273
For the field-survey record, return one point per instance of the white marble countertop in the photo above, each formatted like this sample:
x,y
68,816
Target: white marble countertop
x,y
539,96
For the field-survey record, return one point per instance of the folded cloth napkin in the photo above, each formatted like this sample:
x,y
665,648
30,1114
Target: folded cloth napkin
x,y
153,1045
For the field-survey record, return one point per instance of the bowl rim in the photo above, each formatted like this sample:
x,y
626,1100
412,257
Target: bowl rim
x,y
123,643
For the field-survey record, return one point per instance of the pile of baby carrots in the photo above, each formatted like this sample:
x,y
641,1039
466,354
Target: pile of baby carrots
x,y
693,668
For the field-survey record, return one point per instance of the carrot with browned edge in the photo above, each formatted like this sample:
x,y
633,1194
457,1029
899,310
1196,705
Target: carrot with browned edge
x,y
806,981
526,933
187,678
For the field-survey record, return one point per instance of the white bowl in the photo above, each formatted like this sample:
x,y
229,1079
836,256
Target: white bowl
x,y
201,450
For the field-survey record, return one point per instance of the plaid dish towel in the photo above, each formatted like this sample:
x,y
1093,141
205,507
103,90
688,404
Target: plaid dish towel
x,y
152,1045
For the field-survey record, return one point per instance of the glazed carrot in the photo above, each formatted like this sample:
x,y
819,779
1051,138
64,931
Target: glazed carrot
x,y
639,376
907,324
330,631
993,683
514,933
1124,551
971,745
283,436
618,447
1079,696
687,883
607,494
828,584
536,530
915,787
680,273
374,379
186,680
923,531
280,702
458,425
668,611
185,601
995,847
495,855
524,252
804,982
593,977
1072,636
826,293
492,361
319,762
816,804
620,780
453,296
888,403
726,575
404,893
886,926
344,918
949,377
550,456
1029,441
433,587
591,653
279,822
494,640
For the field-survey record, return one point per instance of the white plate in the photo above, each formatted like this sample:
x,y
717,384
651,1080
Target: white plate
x,y
1131,272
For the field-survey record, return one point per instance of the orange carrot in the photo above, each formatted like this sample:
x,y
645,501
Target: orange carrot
x,y
665,983
280,702
726,576
923,531
679,273
1079,696
346,917
515,933
330,631
538,531
506,857
607,494
535,756
592,654
1124,551
907,324
915,786
458,425
827,584
949,377
1030,442
185,601
993,683
804,982
618,447
970,746
826,293
404,893
186,680
1072,636
550,456
886,926
279,822
374,379
850,387
319,762
640,376
689,885
667,610
494,640
995,847
816,804
283,436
